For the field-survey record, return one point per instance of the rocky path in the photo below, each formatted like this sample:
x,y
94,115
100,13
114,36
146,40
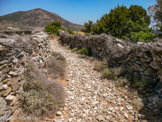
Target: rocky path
x,y
88,97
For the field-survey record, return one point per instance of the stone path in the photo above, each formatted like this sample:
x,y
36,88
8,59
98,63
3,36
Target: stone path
x,y
88,97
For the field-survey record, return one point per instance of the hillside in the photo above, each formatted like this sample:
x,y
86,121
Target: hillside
x,y
35,18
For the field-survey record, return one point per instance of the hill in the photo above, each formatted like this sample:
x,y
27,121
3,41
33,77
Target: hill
x,y
35,18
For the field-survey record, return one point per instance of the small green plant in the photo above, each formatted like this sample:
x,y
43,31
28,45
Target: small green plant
x,y
83,51
74,50
87,34
100,66
112,73
106,73
20,32
40,97
140,84
70,31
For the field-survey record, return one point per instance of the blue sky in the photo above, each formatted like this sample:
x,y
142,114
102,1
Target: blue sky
x,y
76,11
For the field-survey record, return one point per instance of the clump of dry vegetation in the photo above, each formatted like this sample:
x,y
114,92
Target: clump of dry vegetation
x,y
100,66
112,73
40,97
56,65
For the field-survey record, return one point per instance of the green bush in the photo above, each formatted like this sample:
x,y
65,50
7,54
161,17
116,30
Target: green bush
x,y
74,50
106,73
40,97
83,51
20,32
70,31
53,27
140,84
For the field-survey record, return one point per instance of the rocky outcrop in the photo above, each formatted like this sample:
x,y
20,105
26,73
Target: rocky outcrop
x,y
141,61
15,50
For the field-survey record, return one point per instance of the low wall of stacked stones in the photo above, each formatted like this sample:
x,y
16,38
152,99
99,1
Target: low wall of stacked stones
x,y
142,61
15,51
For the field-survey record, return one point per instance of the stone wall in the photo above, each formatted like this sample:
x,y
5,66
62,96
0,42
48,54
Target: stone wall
x,y
15,50
142,61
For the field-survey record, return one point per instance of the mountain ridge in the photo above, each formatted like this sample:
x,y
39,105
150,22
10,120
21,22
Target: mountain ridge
x,y
35,18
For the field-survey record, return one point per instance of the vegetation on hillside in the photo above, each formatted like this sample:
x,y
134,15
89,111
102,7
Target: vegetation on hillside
x,y
128,23
70,31
54,27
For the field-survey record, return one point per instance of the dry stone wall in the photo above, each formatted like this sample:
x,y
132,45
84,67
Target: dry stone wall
x,y
142,61
15,50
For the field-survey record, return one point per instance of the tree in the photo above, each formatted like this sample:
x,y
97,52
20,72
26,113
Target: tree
x,y
128,23
88,26
155,12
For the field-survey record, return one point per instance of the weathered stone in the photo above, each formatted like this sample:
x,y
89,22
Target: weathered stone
x,y
159,73
100,118
1,86
5,70
9,98
125,115
154,65
3,104
14,74
3,66
59,113
6,92
3,77
5,86
5,81
6,116
15,84
3,62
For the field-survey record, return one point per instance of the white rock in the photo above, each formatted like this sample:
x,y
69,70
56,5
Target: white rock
x,y
5,86
9,97
125,115
59,113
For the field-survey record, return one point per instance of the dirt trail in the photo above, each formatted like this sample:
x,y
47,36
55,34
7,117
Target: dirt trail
x,y
88,97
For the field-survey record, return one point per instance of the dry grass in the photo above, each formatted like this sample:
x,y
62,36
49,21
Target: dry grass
x,y
40,97
56,65
100,66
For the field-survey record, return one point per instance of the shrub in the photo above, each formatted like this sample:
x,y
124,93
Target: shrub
x,y
56,65
140,84
100,66
53,27
83,51
40,97
20,32
106,73
70,31
74,50
112,73
121,81
138,104
59,57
